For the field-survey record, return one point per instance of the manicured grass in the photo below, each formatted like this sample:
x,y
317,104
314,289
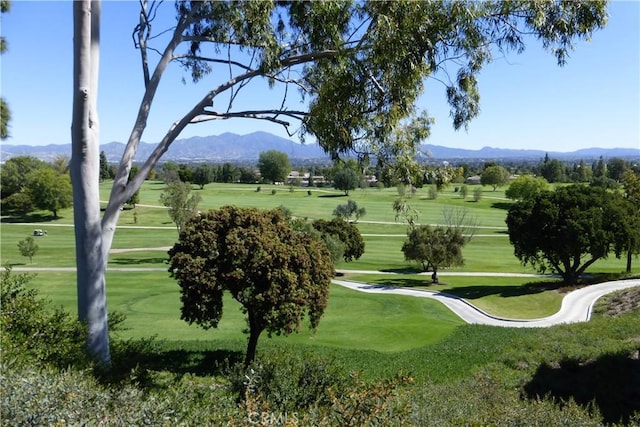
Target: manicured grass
x,y
151,302
509,297
488,251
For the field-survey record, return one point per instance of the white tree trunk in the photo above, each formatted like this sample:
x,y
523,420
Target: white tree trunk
x,y
85,176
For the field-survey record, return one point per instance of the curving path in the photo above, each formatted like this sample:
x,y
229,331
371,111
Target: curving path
x,y
576,306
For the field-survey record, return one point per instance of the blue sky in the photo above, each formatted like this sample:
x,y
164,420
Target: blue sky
x,y
527,101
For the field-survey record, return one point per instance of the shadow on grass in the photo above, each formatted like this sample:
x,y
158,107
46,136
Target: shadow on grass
x,y
505,291
139,358
471,292
403,270
611,383
333,195
137,261
34,217
501,205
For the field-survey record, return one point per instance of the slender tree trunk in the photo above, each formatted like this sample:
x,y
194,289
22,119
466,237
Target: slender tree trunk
x,y
85,176
629,256
254,334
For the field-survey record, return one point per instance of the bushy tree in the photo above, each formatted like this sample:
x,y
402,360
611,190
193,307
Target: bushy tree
x,y
49,190
346,232
350,209
434,247
274,166
345,180
32,329
566,230
203,175
526,187
28,248
617,168
228,173
495,176
553,170
181,203
274,272
14,172
629,233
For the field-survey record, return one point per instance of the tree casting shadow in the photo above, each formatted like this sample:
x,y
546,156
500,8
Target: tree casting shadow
x,y
612,383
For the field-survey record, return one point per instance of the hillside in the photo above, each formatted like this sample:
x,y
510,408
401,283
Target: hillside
x,y
230,147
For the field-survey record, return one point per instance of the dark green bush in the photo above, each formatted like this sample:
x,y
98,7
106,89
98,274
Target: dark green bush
x,y
32,330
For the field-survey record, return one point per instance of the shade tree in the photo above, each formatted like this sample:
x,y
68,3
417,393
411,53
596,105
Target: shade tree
x,y
565,230
346,232
434,247
494,176
346,180
181,204
359,66
277,274
274,166
348,210
49,190
526,187
28,248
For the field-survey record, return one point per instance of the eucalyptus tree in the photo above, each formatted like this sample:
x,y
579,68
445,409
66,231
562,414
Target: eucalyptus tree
x,y
359,68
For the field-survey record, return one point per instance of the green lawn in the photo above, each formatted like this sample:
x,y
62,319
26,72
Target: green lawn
x,y
150,299
353,320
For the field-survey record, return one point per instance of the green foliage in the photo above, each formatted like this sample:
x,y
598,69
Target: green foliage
x,y
345,180
274,166
567,229
464,191
434,247
5,113
526,187
495,176
181,203
14,172
28,248
477,194
49,190
274,272
290,381
18,203
553,170
349,209
105,170
31,331
346,232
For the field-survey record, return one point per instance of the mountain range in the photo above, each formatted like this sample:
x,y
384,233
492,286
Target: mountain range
x,y
230,147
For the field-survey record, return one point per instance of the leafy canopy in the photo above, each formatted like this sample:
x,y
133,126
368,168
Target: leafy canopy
x,y
566,230
361,65
346,232
276,273
274,166
434,247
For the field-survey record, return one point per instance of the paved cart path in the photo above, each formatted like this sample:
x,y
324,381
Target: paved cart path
x,y
576,305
